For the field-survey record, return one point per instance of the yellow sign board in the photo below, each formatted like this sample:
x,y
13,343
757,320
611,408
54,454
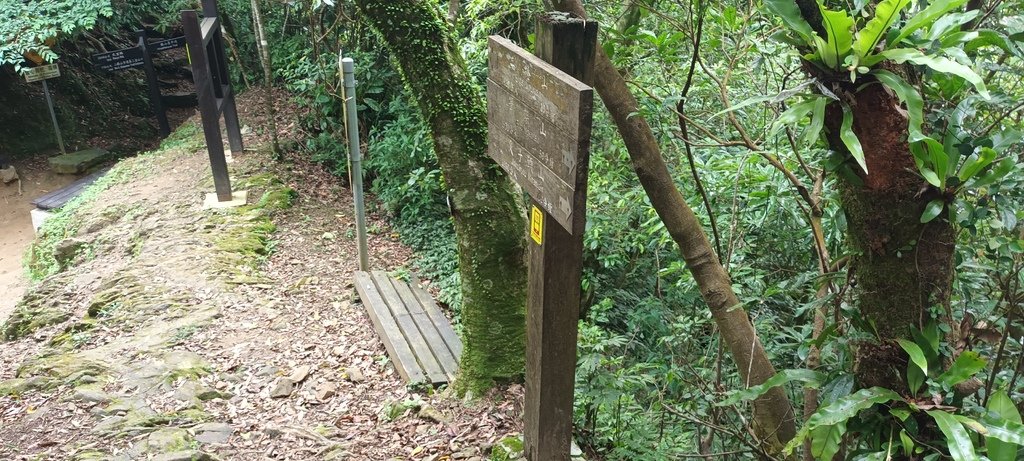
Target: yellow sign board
x,y
536,224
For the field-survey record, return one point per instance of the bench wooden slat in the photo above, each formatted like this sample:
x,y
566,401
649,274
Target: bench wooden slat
x,y
440,321
430,332
408,327
384,323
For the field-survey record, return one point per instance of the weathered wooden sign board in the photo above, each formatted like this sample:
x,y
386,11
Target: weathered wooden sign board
x,y
213,90
35,74
536,115
539,119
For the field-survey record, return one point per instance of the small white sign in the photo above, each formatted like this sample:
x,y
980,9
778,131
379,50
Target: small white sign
x,y
35,74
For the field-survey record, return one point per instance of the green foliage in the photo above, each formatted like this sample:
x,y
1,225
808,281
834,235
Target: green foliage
x,y
407,180
26,26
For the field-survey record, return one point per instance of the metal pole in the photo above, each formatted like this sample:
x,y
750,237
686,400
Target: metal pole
x,y
53,116
354,159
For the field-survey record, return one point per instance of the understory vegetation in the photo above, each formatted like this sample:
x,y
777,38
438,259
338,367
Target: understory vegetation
x,y
755,113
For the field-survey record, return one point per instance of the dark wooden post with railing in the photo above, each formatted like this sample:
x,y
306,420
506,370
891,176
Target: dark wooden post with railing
x,y
213,90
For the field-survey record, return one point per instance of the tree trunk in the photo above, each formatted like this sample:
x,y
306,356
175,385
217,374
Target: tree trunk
x,y
773,412
488,219
903,267
268,77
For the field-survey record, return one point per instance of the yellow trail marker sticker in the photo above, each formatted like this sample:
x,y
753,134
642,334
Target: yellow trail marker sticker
x,y
536,224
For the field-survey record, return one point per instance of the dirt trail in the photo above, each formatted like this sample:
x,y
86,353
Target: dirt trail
x,y
170,332
16,227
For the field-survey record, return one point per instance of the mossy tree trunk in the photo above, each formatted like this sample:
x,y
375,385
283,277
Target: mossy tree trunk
x,y
903,268
488,219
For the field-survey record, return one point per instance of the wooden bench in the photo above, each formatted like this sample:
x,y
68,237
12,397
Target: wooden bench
x,y
418,337
60,197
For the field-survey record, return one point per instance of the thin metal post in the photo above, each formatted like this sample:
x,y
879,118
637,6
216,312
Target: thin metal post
x,y
53,116
355,160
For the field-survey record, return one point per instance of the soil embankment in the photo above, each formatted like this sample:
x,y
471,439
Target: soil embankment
x,y
16,226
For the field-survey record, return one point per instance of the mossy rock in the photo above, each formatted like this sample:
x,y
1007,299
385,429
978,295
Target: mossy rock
x,y
168,439
508,449
280,198
27,318
69,368
90,455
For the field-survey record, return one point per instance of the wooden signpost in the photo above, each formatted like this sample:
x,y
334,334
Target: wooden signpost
x,y
539,119
213,90
141,55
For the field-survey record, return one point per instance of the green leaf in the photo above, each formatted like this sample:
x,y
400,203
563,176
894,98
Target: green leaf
x,y
917,371
966,365
976,162
936,63
850,138
909,95
915,353
927,16
933,209
790,14
841,411
813,130
810,378
908,443
839,30
793,115
957,440
1004,167
886,13
1001,406
826,440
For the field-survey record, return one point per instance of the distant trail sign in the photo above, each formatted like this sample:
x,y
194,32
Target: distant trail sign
x,y
169,44
539,113
113,61
141,55
35,74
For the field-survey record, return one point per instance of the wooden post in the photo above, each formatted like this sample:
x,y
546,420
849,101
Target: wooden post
x,y
208,109
213,89
568,43
154,85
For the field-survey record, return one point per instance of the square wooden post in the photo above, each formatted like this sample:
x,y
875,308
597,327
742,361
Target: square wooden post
x,y
154,85
213,90
556,262
201,74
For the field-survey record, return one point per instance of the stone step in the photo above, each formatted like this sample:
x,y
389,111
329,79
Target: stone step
x,y
78,162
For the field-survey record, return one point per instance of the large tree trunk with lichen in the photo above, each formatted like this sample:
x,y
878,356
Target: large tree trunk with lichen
x,y
903,267
489,223
773,413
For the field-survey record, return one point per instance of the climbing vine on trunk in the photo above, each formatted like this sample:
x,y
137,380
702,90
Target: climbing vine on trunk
x,y
488,219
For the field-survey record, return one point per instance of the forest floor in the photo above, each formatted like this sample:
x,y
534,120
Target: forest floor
x,y
168,332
